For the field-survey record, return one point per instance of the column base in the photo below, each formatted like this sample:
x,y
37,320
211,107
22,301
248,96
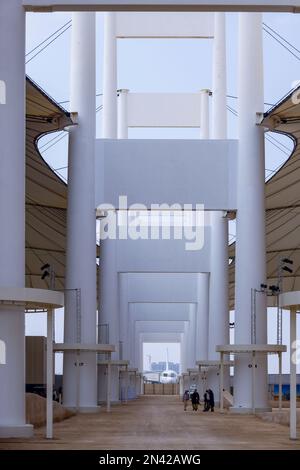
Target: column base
x,y
248,411
24,431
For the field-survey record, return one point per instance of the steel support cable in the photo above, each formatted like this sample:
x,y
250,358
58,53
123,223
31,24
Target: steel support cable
x,y
47,45
47,39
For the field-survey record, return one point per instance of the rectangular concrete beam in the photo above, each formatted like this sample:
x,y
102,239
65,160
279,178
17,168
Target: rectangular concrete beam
x,y
167,171
163,5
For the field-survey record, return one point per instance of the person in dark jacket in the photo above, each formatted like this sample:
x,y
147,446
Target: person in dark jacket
x,y
211,398
195,400
206,401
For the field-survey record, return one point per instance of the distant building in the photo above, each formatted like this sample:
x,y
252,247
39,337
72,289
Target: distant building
x,y
160,366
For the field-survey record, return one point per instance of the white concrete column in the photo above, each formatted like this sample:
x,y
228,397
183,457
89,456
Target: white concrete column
x,y
293,374
123,114
218,331
202,316
191,335
109,311
183,353
250,244
12,214
219,287
140,364
131,337
219,89
188,344
137,385
124,315
110,112
137,361
204,114
81,221
50,374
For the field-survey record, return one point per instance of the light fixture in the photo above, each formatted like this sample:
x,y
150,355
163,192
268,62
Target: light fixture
x,y
287,269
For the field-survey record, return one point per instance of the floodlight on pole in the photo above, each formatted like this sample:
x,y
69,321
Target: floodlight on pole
x,y
48,271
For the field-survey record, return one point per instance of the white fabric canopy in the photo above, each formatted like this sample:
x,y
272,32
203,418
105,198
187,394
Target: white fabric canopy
x,y
46,193
282,200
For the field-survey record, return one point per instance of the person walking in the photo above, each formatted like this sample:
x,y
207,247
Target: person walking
x,y
186,399
206,401
211,400
195,400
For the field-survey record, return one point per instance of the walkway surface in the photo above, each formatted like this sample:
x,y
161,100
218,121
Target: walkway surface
x,y
154,423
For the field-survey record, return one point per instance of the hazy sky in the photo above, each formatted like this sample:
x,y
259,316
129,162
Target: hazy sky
x,y
162,65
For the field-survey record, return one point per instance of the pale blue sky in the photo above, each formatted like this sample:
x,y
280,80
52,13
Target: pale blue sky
x,y
161,65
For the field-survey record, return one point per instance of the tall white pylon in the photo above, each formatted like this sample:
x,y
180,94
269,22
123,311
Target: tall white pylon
x,y
108,315
204,116
110,110
123,114
251,237
81,218
12,216
219,91
218,298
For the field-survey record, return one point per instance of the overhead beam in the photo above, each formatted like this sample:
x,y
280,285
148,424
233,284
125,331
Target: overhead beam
x,y
292,6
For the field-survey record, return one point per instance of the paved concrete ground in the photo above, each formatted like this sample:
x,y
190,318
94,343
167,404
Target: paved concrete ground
x,y
154,423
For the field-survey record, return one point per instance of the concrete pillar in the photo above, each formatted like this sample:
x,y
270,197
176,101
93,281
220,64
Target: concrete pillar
x,y
204,116
137,385
81,222
109,293
110,112
124,315
188,345
202,323
293,373
218,331
183,364
109,310
184,351
202,316
250,243
191,337
219,89
131,339
12,214
140,364
123,114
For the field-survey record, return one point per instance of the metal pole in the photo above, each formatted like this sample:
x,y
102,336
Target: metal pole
x,y
49,405
253,382
221,382
123,114
280,380
252,315
77,365
126,385
204,113
108,378
293,376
